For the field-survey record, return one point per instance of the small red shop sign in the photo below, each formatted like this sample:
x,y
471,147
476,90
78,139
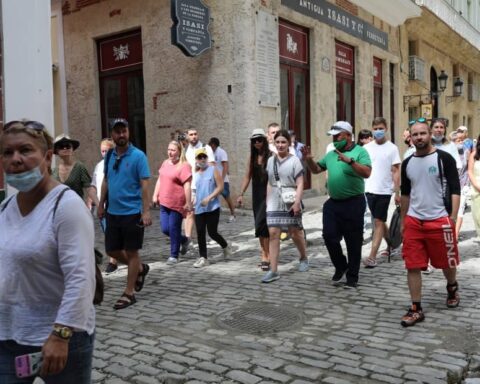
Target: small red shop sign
x,y
293,42
344,55
377,71
121,52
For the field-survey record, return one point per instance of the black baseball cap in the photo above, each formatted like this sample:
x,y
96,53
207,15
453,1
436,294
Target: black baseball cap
x,y
119,122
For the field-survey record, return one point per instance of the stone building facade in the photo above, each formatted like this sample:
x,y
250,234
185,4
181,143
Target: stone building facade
x,y
304,64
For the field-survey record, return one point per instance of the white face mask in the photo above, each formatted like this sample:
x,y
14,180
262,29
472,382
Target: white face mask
x,y
24,181
201,164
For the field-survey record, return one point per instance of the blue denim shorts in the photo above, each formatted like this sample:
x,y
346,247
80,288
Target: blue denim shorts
x,y
78,369
226,190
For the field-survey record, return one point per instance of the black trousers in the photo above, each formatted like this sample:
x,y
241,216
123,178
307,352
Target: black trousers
x,y
344,219
208,221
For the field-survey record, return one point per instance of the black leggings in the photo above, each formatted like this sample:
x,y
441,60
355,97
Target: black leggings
x,y
208,221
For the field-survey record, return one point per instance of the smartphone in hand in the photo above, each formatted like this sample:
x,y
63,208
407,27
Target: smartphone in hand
x,y
28,365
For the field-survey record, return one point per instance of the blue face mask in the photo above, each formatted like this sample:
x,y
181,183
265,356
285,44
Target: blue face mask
x,y
201,165
379,134
24,181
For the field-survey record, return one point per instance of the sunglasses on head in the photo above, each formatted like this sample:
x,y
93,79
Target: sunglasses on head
x,y
419,120
31,124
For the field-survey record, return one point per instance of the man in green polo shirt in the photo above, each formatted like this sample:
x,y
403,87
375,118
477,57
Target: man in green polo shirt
x,y
348,165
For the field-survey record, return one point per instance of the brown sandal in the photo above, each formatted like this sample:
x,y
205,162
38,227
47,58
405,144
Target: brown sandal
x,y
141,278
453,298
264,266
125,301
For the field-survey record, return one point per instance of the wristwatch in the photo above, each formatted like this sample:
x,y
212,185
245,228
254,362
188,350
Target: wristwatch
x,y
62,331
352,160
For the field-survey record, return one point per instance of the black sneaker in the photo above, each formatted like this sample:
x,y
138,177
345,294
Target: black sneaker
x,y
350,285
337,276
111,268
184,246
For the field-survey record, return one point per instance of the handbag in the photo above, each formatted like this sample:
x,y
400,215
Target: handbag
x,y
394,230
287,194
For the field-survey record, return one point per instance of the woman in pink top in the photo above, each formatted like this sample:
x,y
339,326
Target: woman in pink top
x,y
173,193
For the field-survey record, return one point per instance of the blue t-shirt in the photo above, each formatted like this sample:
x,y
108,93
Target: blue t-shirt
x,y
205,184
124,188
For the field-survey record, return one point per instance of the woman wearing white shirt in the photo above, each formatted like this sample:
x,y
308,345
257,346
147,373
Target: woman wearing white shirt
x,y
47,279
440,141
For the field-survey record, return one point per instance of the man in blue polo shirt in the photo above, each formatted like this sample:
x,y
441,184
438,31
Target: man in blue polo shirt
x,y
125,190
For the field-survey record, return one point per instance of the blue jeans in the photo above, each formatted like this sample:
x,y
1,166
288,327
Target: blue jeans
x,y
344,219
78,369
171,223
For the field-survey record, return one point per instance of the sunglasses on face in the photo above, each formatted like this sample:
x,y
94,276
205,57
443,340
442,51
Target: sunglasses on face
x,y
419,120
35,125
257,140
64,146
201,157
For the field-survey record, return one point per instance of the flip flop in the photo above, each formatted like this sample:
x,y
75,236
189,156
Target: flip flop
x,y
384,253
125,301
141,278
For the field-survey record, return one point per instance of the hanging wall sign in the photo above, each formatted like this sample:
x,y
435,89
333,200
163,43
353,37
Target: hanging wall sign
x,y
121,52
190,29
336,17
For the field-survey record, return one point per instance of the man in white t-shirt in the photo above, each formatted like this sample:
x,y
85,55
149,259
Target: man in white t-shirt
x,y
384,180
193,144
272,129
221,162
94,192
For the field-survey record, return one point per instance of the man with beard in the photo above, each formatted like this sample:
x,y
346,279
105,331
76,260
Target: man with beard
x,y
125,190
430,199
347,165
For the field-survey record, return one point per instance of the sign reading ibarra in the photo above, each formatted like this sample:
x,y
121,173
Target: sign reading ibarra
x,y
190,30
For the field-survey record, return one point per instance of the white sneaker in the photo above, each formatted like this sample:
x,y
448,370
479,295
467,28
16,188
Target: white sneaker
x,y
201,262
227,251
231,219
429,270
172,260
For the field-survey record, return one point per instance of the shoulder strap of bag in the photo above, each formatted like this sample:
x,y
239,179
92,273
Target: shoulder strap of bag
x,y
60,195
107,159
57,201
6,203
442,183
275,169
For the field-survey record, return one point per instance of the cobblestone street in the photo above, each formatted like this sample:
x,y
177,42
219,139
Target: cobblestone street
x,y
219,324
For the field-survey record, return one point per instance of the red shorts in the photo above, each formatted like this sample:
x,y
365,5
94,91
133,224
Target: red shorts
x,y
429,240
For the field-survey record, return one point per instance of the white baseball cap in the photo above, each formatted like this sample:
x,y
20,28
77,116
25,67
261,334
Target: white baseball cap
x,y
340,126
462,128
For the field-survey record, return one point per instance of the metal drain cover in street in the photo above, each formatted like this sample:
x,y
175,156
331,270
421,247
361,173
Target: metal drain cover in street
x,y
260,318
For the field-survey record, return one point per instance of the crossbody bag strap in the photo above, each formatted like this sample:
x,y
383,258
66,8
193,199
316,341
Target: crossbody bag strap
x,y
57,201
6,203
275,172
